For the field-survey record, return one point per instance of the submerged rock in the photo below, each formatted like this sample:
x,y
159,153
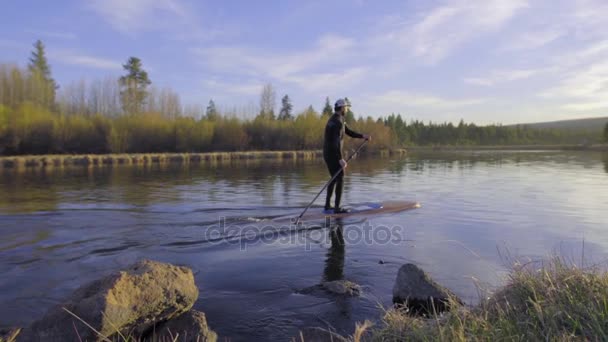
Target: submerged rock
x,y
419,293
319,335
342,287
129,302
336,287
189,327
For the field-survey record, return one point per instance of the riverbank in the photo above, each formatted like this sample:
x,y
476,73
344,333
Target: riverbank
x,y
59,161
595,147
554,302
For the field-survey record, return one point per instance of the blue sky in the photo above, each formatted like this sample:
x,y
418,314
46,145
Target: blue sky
x,y
486,61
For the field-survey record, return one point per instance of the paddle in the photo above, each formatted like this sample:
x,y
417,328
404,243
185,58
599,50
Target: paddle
x,y
331,180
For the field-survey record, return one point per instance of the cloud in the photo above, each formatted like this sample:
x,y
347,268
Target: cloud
x,y
400,99
306,69
587,83
134,16
446,28
75,58
533,40
501,76
52,34
249,88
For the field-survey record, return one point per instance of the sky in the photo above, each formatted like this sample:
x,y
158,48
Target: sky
x,y
484,61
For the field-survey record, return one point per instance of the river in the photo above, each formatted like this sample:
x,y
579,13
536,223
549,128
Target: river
x,y
481,211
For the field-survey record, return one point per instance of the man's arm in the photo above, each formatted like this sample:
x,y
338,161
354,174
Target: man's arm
x,y
352,133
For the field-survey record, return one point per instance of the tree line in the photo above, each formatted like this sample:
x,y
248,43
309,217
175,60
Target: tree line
x,y
129,114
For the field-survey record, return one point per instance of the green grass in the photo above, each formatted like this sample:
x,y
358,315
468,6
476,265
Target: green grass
x,y
554,302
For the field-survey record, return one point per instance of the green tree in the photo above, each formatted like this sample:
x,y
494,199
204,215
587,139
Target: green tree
x,y
327,110
211,111
286,107
134,85
40,71
350,116
606,132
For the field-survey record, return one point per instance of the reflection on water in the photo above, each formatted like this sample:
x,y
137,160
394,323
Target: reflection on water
x,y
334,263
62,228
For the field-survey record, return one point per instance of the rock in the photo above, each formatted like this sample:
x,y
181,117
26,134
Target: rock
x,y
129,302
319,335
419,293
342,287
189,327
382,262
9,334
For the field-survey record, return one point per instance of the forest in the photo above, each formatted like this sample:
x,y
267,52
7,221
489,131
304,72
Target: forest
x,y
129,114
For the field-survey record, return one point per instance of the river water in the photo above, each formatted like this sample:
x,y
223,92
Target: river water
x,y
481,211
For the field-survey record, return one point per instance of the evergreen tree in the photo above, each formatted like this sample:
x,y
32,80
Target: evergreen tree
x,y
327,109
286,107
211,112
134,86
350,116
40,71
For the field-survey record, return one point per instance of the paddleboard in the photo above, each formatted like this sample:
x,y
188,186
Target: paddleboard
x,y
358,210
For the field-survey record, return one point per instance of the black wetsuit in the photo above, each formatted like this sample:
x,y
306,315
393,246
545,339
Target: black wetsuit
x,y
332,153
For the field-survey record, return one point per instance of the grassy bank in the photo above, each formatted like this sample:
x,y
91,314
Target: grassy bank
x,y
49,161
556,302
595,147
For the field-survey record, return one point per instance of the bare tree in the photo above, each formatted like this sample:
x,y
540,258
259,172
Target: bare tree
x,y
267,102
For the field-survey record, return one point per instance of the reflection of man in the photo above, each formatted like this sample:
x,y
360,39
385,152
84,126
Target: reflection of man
x,y
334,264
332,151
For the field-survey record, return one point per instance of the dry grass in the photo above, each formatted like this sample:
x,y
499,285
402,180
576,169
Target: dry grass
x,y
554,302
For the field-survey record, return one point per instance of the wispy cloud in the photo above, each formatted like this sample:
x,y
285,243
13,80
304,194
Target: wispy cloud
x,y
533,40
408,99
445,28
248,88
133,16
52,34
501,76
306,68
71,57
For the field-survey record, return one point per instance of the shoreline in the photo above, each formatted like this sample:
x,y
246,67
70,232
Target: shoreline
x,y
100,160
588,148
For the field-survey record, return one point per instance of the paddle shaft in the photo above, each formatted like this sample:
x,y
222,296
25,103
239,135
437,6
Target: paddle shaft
x,y
331,180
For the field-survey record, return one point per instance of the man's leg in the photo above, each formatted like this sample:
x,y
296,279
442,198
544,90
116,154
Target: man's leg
x,y
339,188
330,191
332,168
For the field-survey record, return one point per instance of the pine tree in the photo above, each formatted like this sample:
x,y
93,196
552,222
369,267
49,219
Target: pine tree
x,y
211,112
286,107
134,86
350,116
327,110
40,71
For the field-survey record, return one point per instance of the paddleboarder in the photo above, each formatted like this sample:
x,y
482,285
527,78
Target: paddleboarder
x,y
332,152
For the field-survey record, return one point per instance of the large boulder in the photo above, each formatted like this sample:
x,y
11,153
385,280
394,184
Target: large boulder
x,y
415,290
318,335
129,302
189,327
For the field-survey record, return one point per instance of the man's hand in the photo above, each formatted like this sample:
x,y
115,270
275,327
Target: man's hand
x,y
367,137
343,163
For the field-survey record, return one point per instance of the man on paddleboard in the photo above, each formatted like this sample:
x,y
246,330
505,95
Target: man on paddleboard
x,y
332,152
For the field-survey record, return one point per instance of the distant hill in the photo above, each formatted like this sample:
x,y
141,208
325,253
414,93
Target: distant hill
x,y
587,124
